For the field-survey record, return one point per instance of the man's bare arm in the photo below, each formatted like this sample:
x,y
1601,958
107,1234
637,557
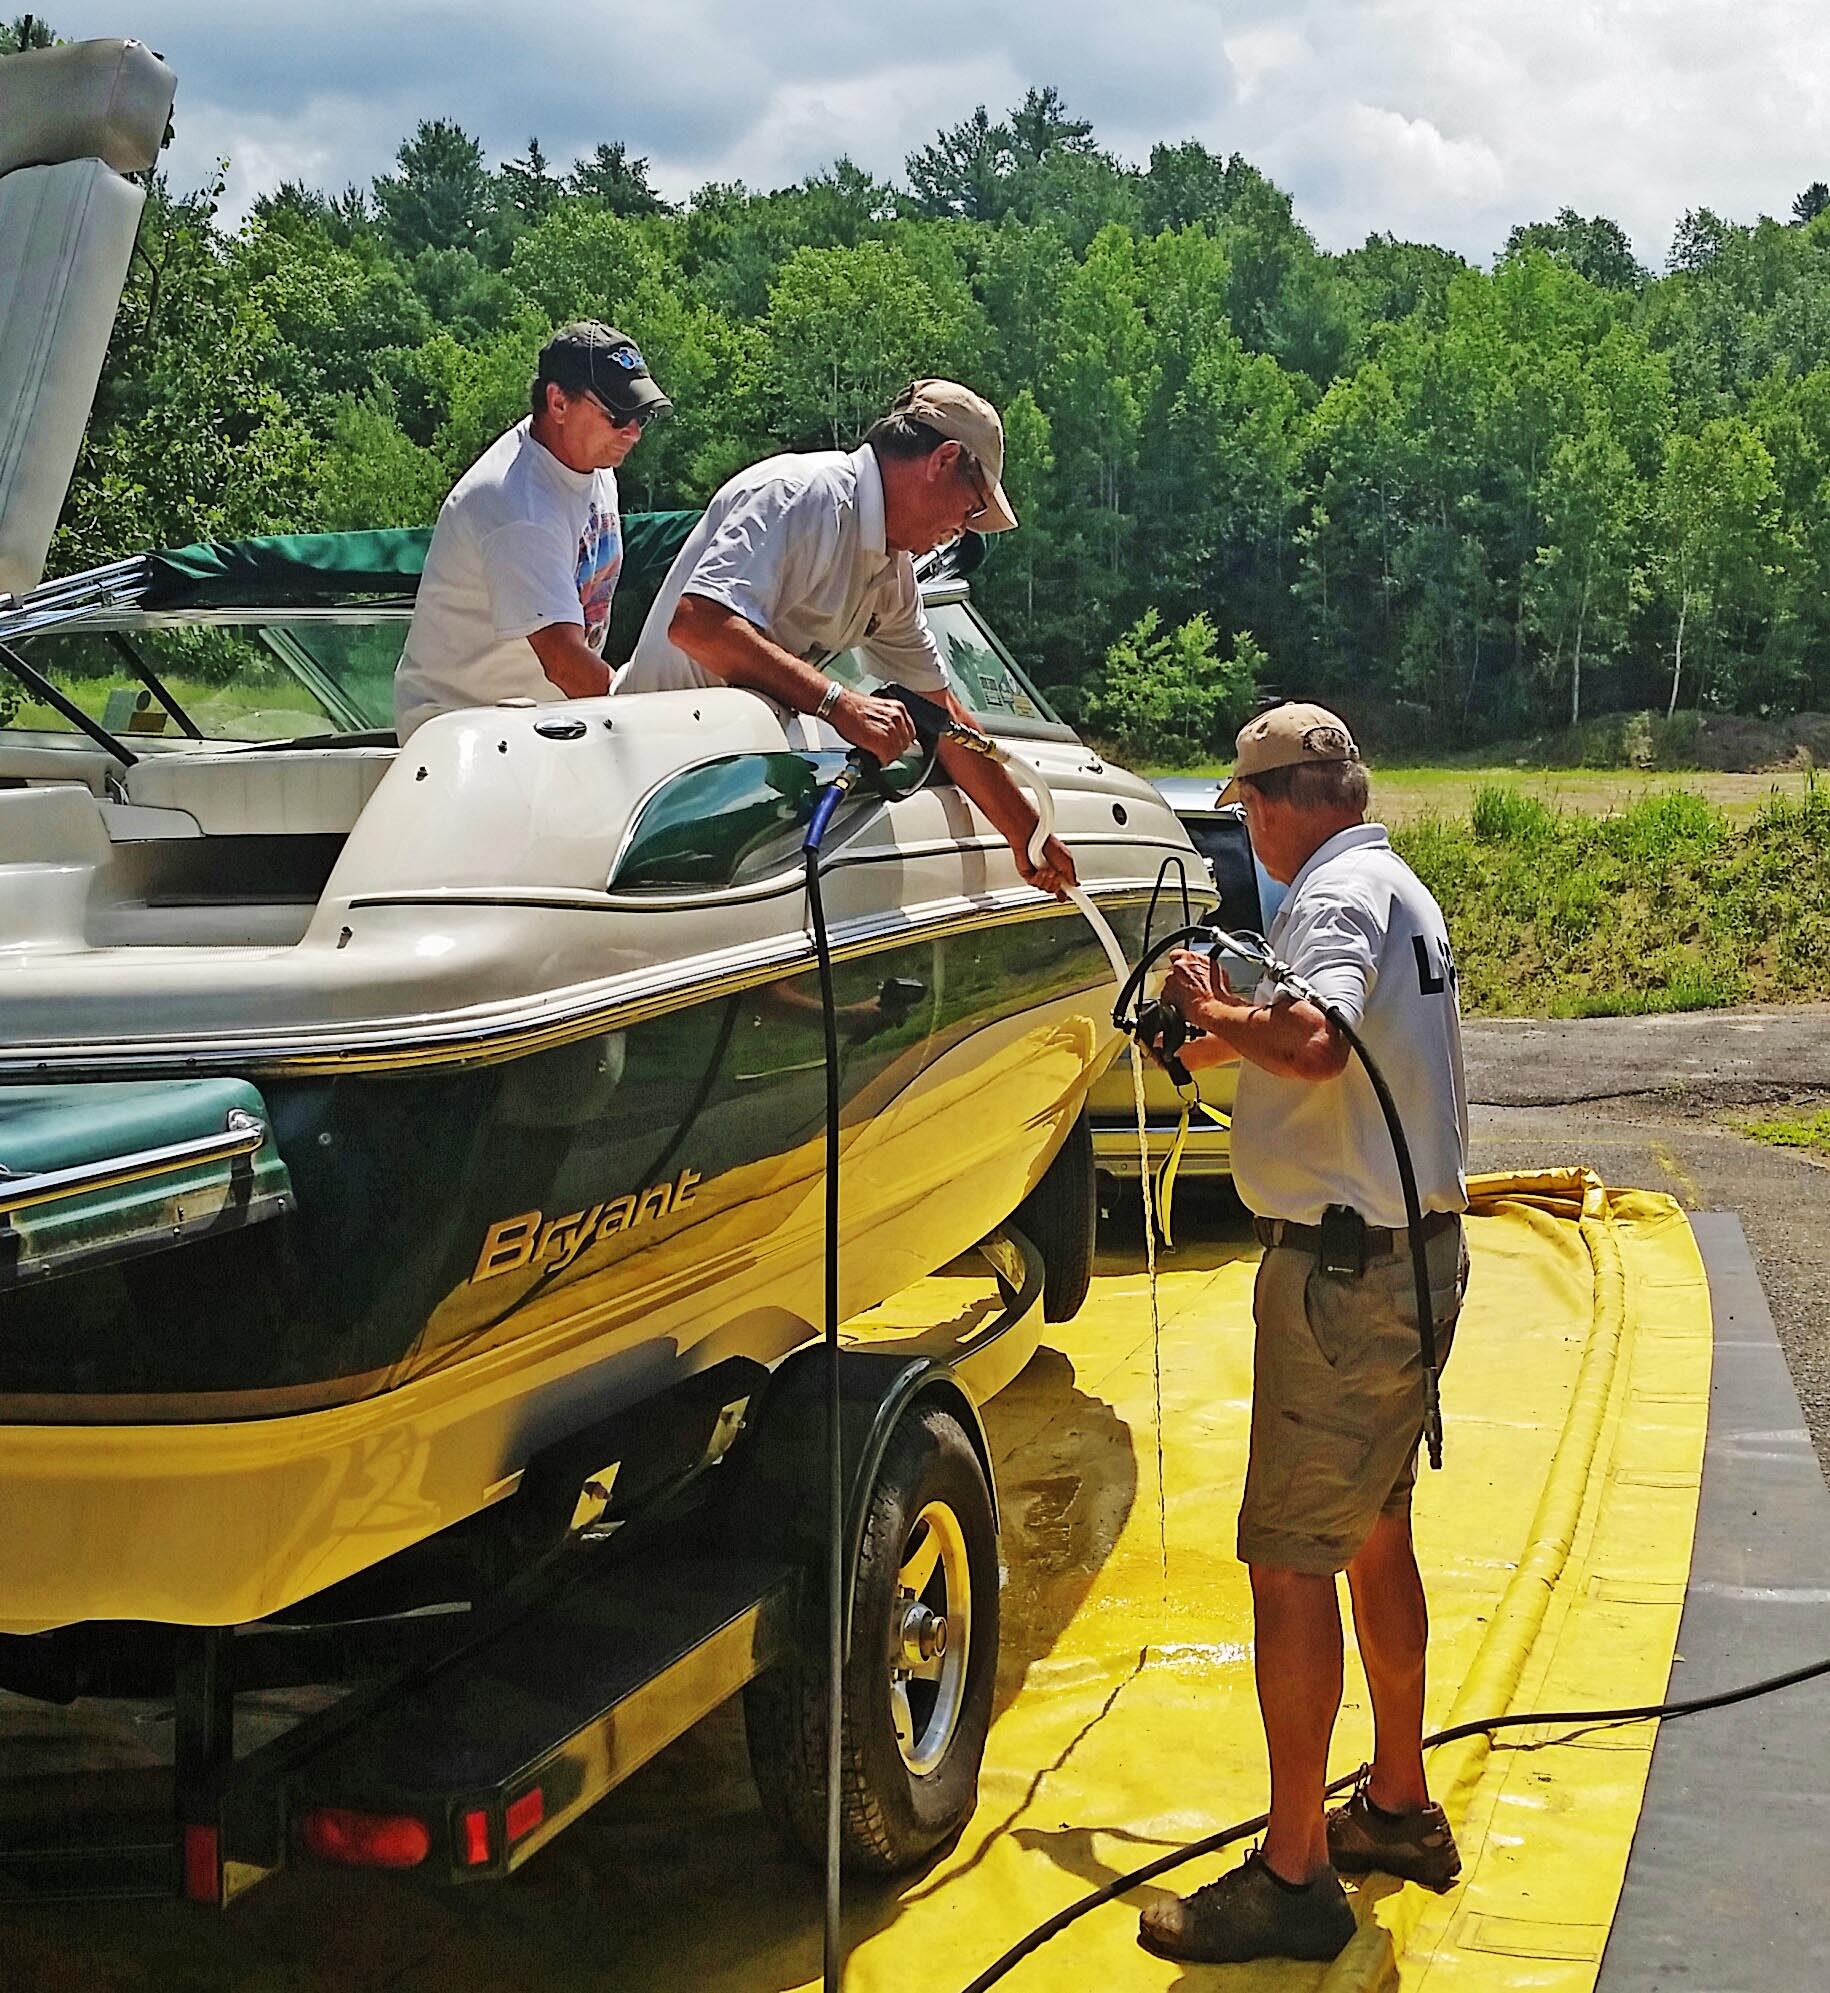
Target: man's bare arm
x,y
1003,799
735,650
1289,1037
722,641
569,661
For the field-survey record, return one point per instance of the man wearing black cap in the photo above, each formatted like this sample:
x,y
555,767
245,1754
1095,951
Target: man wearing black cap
x,y
514,601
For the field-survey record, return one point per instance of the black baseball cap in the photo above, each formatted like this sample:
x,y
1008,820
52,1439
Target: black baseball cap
x,y
589,357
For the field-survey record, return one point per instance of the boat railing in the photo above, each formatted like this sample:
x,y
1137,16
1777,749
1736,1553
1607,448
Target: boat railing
x,y
119,585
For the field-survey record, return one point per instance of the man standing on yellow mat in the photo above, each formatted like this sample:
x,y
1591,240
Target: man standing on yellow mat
x,y
1337,1379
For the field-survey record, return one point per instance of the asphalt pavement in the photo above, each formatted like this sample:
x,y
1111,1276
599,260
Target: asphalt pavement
x,y
1651,1102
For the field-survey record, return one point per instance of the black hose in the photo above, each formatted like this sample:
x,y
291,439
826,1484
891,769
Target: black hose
x,y
1200,931
857,765
1212,1843
1413,1218
833,1956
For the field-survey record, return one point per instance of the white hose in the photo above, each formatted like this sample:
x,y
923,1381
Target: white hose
x,y
1031,778
1121,970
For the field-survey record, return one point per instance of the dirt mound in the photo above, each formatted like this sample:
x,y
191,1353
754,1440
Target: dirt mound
x,y
1731,743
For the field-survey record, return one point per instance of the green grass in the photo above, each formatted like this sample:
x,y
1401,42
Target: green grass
x,y
1810,1132
1632,744
256,709
1402,795
1685,988
1666,904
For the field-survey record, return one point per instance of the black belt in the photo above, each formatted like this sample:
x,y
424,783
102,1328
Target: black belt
x,y
1379,1241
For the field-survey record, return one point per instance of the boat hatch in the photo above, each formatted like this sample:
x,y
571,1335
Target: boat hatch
x,y
108,1172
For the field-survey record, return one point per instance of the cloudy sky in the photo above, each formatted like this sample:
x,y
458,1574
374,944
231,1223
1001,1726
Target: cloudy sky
x,y
1441,120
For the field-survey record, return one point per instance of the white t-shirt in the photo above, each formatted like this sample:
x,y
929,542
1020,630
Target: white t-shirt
x,y
795,545
521,543
1364,930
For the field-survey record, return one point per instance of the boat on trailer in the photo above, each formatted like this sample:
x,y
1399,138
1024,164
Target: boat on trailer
x,y
412,1170
375,1118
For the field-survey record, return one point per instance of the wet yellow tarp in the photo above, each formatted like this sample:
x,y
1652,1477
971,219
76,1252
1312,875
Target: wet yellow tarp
x,y
1555,1545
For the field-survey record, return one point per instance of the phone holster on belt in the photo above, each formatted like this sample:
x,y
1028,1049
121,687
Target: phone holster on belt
x,y
1343,1248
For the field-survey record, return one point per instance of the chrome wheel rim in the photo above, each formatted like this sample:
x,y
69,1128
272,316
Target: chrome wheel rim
x,y
930,1637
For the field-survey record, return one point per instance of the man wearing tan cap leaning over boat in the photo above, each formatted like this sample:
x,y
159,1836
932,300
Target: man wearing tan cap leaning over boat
x,y
1337,1365
807,555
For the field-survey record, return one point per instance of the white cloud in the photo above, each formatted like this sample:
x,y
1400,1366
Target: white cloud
x,y
876,118
1485,116
1263,55
1451,120
1404,168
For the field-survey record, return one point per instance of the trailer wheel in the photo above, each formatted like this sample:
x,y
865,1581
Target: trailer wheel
x,y
1060,1218
919,1677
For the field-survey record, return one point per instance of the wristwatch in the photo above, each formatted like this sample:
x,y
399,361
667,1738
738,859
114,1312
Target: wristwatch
x,y
828,699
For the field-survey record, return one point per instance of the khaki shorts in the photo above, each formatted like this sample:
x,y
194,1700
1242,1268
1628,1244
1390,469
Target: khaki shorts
x,y
1337,1400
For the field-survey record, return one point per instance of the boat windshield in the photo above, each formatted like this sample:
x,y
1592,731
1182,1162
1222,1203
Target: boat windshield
x,y
218,680
985,676
286,674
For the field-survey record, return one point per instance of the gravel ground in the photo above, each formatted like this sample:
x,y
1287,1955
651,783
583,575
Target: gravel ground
x,y
1648,1101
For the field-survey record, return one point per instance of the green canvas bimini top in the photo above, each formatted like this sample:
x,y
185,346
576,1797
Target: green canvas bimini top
x,y
285,568
281,569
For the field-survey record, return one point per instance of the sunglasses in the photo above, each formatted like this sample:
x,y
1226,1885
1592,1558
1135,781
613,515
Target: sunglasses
x,y
969,470
649,412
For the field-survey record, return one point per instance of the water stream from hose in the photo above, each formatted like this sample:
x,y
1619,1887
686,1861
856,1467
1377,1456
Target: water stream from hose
x,y
1121,970
1156,1323
1102,928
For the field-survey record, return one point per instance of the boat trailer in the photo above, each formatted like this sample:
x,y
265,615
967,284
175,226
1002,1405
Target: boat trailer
x,y
475,1731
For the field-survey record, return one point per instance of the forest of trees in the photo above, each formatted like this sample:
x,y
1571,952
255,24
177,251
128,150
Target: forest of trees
x,y
1507,496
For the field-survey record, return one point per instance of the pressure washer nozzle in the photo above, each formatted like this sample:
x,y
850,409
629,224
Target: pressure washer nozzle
x,y
1161,1028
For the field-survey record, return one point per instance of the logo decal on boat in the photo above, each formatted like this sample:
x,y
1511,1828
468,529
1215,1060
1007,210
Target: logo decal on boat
x,y
531,1238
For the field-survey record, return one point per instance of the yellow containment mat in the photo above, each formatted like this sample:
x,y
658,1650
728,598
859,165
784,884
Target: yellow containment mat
x,y
1555,1545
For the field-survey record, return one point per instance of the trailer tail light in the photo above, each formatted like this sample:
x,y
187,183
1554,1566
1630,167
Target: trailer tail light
x,y
526,1813
365,1840
202,1869
476,1837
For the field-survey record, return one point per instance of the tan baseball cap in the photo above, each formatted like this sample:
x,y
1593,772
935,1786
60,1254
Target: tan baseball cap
x,y
969,420
1285,737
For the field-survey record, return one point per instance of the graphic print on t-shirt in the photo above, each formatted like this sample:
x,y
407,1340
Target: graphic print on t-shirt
x,y
600,560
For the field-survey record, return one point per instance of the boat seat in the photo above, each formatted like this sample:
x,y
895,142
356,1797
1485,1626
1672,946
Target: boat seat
x,y
107,99
52,844
73,121
25,762
292,792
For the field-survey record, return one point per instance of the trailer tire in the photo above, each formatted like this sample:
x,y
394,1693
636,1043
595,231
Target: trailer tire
x,y
1060,1218
909,1760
